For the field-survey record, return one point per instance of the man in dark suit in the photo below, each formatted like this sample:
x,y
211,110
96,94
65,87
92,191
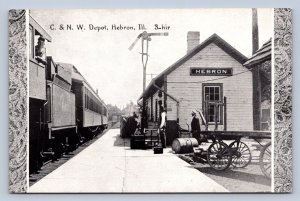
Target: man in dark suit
x,y
132,124
195,127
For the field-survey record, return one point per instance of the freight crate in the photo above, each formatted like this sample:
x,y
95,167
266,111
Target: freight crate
x,y
137,142
158,150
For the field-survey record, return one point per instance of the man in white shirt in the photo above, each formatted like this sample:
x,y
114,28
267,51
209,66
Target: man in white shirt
x,y
162,127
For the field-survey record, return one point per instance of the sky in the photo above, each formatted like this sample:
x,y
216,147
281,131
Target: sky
x,y
102,55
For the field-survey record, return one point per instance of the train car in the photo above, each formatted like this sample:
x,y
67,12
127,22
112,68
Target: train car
x,y
60,109
63,108
37,93
91,111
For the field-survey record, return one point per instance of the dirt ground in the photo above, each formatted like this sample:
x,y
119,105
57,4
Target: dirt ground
x,y
248,179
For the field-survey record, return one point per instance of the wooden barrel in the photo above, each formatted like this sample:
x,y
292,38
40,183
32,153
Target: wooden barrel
x,y
184,145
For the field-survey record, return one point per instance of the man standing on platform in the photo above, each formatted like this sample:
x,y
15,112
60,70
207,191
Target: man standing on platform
x,y
162,127
195,127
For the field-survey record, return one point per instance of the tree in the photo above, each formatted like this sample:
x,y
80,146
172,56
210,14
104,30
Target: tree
x,y
113,110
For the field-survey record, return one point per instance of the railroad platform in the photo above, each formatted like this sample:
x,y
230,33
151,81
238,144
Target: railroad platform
x,y
110,166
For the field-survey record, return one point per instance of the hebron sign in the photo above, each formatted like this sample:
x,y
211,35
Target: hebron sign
x,y
211,71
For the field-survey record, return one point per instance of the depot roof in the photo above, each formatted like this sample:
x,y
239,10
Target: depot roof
x,y
159,79
262,54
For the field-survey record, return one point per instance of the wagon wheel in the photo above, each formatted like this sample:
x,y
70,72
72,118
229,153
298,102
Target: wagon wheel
x,y
265,160
241,154
219,156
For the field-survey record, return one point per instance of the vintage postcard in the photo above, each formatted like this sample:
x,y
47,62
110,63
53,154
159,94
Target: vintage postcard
x,y
150,101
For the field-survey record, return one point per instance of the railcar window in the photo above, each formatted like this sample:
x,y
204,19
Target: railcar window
x,y
88,99
156,108
100,108
86,102
92,103
91,100
85,98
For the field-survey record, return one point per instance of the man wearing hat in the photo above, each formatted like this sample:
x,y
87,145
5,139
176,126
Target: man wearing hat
x,y
132,124
40,51
195,127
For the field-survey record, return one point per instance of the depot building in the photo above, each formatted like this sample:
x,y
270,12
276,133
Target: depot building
x,y
211,72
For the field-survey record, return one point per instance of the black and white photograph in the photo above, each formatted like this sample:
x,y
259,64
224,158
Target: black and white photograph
x,y
149,100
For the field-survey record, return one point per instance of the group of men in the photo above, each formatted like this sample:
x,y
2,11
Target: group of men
x,y
195,126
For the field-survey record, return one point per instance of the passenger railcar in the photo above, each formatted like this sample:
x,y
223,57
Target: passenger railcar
x,y
91,111
64,110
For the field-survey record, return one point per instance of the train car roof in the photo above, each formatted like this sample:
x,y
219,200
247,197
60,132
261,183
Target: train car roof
x,y
39,29
76,75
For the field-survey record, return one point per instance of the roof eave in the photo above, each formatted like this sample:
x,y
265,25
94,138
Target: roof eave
x,y
254,62
40,29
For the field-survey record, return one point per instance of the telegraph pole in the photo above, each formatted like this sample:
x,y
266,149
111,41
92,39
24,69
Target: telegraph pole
x,y
145,37
256,74
254,31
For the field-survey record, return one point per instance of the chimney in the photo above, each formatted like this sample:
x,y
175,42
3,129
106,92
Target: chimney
x,y
193,39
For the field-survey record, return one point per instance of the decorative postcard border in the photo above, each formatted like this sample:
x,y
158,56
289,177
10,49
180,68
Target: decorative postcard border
x,y
283,100
18,128
18,101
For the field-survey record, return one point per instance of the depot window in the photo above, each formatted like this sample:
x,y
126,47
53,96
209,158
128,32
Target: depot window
x,y
213,93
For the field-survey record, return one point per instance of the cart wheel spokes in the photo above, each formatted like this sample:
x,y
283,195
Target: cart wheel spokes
x,y
265,160
241,154
219,156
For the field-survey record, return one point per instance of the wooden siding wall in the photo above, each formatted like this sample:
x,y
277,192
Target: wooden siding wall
x,y
154,97
237,89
